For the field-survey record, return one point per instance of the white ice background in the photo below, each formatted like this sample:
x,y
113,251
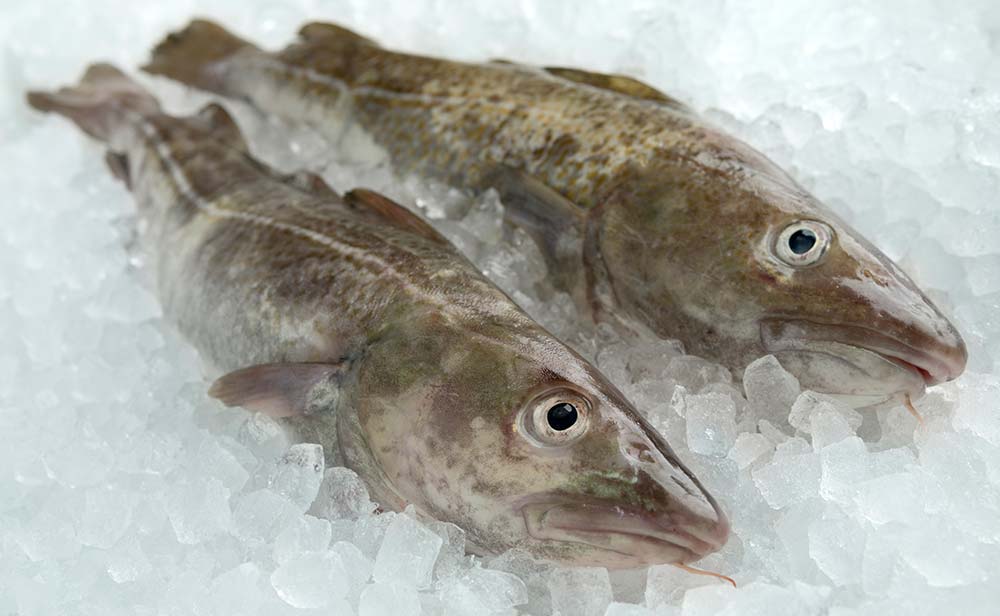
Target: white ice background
x,y
124,490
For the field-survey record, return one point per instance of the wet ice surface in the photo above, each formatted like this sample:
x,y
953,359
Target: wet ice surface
x,y
124,490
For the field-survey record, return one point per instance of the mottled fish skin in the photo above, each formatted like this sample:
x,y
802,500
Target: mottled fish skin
x,y
368,332
647,213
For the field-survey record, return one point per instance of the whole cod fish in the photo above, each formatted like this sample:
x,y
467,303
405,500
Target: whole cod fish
x,y
643,210
356,321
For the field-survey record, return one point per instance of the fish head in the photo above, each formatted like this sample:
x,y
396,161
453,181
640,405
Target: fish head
x,y
731,256
523,444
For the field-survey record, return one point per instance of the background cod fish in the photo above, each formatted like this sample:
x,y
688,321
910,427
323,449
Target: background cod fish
x,y
365,329
646,214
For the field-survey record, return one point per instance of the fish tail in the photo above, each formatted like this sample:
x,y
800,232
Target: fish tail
x,y
100,102
189,55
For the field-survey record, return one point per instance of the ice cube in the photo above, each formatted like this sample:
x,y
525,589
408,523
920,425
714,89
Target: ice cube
x,y
359,567
695,373
824,418
666,585
384,598
342,495
788,479
369,531
298,475
482,591
263,436
199,509
630,609
748,448
580,591
262,515
837,545
107,514
711,423
237,591
407,553
771,390
311,579
303,534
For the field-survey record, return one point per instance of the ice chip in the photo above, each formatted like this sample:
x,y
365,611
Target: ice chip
x,y
711,423
199,510
311,580
788,479
666,585
342,495
407,554
384,598
237,590
770,389
837,545
298,474
262,515
580,591
304,534
630,609
359,567
748,448
482,591
106,516
695,373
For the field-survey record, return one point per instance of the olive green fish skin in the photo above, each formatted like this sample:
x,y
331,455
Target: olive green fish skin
x,y
437,373
672,225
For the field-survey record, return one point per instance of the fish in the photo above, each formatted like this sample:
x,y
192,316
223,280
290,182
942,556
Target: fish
x,y
355,323
648,216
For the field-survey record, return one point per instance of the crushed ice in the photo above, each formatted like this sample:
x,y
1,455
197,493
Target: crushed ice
x,y
123,489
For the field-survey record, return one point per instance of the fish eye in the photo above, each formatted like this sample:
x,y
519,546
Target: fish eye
x,y
803,243
556,418
562,416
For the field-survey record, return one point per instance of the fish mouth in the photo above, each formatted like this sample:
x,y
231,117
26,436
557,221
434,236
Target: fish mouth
x,y
861,362
620,537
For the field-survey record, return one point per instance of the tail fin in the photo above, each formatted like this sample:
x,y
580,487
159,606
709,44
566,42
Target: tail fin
x,y
188,55
99,103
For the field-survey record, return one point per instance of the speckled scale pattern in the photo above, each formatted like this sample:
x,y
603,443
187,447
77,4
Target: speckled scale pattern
x,y
254,268
445,118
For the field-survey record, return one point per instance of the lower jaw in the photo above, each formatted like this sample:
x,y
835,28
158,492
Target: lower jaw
x,y
613,550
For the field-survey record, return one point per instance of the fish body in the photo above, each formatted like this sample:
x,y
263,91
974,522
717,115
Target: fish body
x,y
352,319
645,212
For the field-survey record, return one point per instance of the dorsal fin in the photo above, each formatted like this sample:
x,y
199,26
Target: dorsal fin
x,y
387,210
215,119
332,33
617,83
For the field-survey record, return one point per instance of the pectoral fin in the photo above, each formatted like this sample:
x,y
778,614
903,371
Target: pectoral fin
x,y
555,222
387,210
617,83
281,390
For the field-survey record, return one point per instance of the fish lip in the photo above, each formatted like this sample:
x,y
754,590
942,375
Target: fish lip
x,y
932,368
603,518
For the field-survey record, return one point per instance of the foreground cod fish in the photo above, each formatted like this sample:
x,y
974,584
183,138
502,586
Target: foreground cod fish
x,y
354,319
642,209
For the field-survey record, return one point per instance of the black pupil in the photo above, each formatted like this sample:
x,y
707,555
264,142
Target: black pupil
x,y
802,241
562,416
